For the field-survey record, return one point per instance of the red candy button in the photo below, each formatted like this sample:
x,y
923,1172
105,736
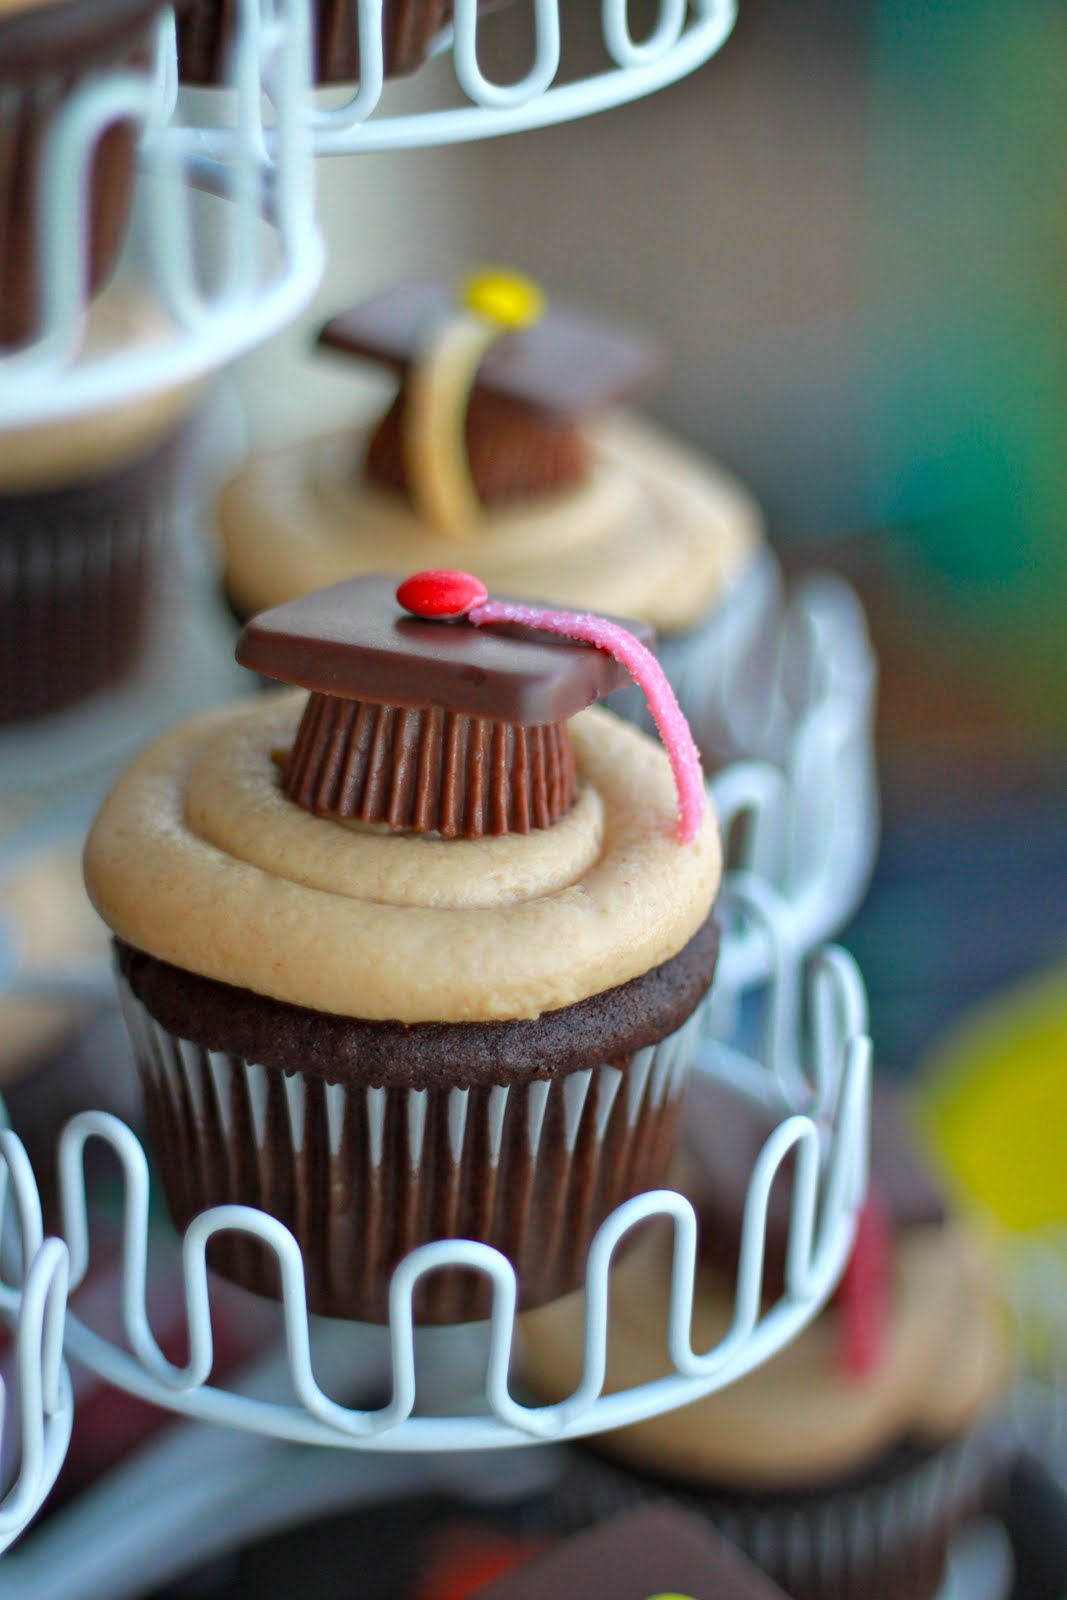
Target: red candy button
x,y
441,594
863,1293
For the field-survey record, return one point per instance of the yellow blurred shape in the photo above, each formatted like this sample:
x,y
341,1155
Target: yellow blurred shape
x,y
993,1100
507,298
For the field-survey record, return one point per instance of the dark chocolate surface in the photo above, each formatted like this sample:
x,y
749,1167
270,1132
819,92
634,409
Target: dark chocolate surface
x,y
570,362
651,1551
354,640
424,1055
723,1134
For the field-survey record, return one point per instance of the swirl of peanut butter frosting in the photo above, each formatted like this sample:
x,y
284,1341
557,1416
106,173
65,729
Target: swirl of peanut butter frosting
x,y
200,859
657,532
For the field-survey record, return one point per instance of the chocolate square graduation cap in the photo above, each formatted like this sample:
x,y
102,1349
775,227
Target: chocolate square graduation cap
x,y
648,1554
534,388
427,725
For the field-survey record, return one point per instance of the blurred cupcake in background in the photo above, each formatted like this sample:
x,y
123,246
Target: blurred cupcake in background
x,y
86,506
48,52
846,1464
505,451
411,32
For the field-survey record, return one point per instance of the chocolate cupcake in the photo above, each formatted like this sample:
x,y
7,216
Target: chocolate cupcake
x,y
85,508
412,953
49,50
847,1463
411,31
505,448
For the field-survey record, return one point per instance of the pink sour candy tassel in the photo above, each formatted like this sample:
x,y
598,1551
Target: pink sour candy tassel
x,y
646,672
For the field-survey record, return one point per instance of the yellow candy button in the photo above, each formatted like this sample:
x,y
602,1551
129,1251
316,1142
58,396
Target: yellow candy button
x,y
670,1597
506,298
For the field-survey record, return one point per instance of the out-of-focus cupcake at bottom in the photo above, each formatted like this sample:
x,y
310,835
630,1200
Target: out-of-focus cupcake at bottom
x,y
845,1465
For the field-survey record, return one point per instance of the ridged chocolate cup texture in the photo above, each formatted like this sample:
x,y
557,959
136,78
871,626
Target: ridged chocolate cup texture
x,y
46,56
363,1170
429,771
515,452
884,1536
207,30
78,576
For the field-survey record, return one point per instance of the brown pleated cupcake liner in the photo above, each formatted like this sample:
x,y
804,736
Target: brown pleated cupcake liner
x,y
28,112
882,1541
78,571
207,30
363,1175
430,771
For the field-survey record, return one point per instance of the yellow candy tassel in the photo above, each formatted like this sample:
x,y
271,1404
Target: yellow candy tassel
x,y
439,391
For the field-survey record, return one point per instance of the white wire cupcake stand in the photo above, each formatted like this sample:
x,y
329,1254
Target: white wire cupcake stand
x,y
804,805
435,1403
263,253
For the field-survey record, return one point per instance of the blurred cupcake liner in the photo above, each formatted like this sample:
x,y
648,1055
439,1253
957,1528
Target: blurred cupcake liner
x,y
884,1540
44,60
363,1175
722,669
208,29
78,569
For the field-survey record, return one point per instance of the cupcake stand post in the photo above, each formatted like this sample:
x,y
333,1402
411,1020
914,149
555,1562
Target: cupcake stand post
x,y
805,791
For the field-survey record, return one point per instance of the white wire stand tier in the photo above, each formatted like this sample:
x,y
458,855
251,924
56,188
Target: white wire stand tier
x,y
261,253
827,1076
681,36
801,823
35,1421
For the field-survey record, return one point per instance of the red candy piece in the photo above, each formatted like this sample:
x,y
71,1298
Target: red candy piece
x,y
467,1561
441,594
863,1294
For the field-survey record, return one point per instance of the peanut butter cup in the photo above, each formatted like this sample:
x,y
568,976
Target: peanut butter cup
x,y
426,725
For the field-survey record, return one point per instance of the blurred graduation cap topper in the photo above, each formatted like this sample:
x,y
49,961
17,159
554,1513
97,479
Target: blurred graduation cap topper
x,y
492,366
564,361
